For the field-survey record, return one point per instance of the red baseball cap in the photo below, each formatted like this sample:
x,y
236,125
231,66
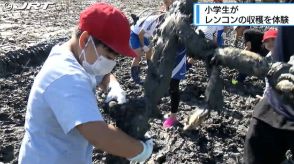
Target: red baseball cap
x,y
271,33
109,25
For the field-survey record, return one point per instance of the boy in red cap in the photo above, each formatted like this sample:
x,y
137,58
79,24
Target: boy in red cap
x,y
269,38
63,120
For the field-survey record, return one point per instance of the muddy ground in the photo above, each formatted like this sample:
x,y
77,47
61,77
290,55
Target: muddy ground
x,y
219,139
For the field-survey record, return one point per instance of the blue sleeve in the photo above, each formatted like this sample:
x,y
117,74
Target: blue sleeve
x,y
220,40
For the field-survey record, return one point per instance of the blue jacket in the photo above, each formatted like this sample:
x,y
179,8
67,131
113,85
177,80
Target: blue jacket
x,y
180,69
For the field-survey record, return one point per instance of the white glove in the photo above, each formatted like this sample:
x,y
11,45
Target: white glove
x,y
116,93
145,48
145,154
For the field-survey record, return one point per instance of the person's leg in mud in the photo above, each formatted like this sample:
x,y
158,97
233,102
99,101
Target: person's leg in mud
x,y
135,67
175,101
148,55
264,144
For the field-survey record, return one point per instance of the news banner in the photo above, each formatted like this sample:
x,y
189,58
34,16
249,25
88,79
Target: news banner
x,y
243,14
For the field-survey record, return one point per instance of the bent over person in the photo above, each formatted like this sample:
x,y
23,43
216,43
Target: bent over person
x,y
63,120
271,130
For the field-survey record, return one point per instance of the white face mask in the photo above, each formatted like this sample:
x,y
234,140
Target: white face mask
x,y
101,66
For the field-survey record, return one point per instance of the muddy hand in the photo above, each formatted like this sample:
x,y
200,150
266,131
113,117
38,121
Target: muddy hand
x,y
116,93
285,85
281,78
196,119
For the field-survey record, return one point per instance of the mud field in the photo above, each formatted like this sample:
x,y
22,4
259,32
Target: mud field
x,y
219,139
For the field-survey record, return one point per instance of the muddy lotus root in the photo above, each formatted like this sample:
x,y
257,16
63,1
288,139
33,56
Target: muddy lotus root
x,y
244,61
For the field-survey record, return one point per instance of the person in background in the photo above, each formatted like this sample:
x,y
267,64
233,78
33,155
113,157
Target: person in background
x,y
221,34
63,121
221,31
141,32
253,42
239,33
213,33
268,40
182,65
